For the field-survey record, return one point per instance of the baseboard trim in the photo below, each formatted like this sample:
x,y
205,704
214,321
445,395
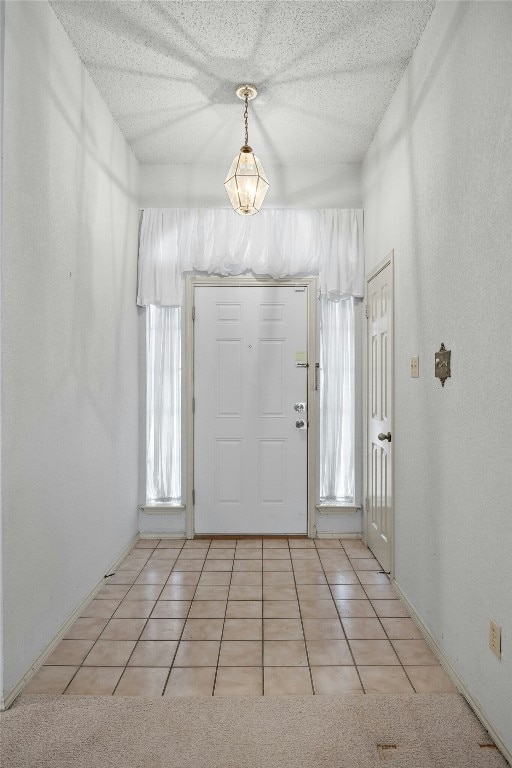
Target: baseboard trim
x,y
156,535
320,535
7,700
454,676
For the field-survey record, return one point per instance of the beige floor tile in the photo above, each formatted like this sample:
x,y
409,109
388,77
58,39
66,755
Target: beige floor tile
x,y
328,544
313,592
191,554
207,609
430,679
390,608
244,609
278,579
309,577
160,567
355,609
186,578
94,681
51,680
112,592
142,681
384,680
146,544
372,577
276,554
191,682
122,577
134,609
203,629
287,681
86,629
304,554
247,565
133,563
275,544
241,653
355,548
215,579
223,544
301,544
212,592
109,653
164,555
414,652
248,554
217,566
100,609
341,577
153,653
335,681
401,629
220,554
197,544
323,629
185,566
239,681
178,592
283,629
330,563
284,653
380,591
247,592
318,609
123,629
144,592
197,653
277,565
171,543
365,564
281,609
278,592
152,577
329,653
242,629
247,579
249,543
373,652
70,653
171,609
363,629
163,629
348,592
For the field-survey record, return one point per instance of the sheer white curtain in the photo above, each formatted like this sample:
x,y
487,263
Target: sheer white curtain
x,y
337,401
163,409
279,243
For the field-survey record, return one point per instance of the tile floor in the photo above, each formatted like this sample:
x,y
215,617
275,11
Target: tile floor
x,y
244,617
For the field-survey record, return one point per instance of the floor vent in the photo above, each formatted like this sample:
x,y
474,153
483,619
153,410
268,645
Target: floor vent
x,y
386,751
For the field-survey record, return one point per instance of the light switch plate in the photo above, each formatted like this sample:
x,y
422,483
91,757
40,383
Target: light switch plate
x,y
415,367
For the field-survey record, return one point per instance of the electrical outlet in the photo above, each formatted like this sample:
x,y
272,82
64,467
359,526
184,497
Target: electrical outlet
x,y
415,367
495,638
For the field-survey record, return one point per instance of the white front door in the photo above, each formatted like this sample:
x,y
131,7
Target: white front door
x,y
379,516
250,454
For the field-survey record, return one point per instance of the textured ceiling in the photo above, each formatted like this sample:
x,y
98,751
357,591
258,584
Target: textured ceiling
x,y
168,70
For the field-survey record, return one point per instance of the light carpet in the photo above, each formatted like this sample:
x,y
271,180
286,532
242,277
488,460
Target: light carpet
x,y
413,731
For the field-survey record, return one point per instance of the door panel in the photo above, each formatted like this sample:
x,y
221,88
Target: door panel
x,y
379,518
250,460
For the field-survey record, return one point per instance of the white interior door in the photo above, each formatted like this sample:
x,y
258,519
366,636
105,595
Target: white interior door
x,y
379,517
250,457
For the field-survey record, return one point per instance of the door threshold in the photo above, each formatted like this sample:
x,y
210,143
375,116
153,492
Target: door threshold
x,y
214,536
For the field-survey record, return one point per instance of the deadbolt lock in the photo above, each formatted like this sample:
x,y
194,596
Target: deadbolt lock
x,y
299,407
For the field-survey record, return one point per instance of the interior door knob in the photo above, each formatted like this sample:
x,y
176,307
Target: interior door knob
x,y
384,436
300,424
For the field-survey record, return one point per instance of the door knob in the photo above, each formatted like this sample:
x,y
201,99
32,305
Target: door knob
x,y
384,436
299,407
300,424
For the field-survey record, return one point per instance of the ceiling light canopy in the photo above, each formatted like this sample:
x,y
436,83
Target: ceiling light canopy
x,y
246,182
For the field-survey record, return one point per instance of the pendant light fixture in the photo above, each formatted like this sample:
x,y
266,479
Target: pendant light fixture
x,y
246,183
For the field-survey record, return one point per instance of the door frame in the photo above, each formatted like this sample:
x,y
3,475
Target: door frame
x,y
387,261
310,283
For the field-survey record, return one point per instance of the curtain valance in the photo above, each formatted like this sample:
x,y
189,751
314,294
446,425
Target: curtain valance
x,y
277,243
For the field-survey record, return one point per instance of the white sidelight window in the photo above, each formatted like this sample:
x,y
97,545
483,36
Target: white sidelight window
x,y
163,411
337,402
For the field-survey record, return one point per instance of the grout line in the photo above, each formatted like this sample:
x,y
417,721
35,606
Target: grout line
x,y
224,619
302,621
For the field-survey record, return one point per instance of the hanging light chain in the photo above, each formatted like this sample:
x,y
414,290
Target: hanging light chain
x,y
246,118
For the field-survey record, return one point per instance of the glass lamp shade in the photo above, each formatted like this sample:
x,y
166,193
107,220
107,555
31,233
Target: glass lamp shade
x,y
246,183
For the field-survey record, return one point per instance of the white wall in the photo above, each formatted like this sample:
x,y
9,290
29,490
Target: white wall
x,y
202,186
437,189
69,332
